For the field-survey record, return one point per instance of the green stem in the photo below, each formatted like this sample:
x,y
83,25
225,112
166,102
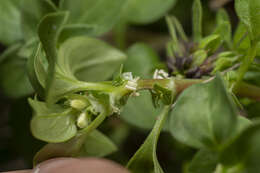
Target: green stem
x,y
248,90
180,84
94,124
243,90
247,61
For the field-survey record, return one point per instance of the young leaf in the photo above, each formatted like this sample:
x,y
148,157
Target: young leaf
x,y
147,11
95,144
145,159
241,40
103,14
175,45
197,20
180,29
204,115
224,27
248,13
210,43
10,19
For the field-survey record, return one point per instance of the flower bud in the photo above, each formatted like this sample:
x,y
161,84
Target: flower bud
x,y
78,104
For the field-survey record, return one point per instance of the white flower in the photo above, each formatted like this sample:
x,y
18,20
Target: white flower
x,y
160,74
131,81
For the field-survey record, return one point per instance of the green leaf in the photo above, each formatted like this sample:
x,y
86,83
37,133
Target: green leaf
x,y
147,11
95,144
197,20
205,161
140,111
87,58
248,13
41,108
32,16
10,19
145,159
210,43
174,44
54,127
13,76
83,59
74,30
204,115
180,29
102,14
142,60
244,150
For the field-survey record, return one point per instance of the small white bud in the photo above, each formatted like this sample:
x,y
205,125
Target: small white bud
x,y
131,81
160,74
82,121
78,104
128,76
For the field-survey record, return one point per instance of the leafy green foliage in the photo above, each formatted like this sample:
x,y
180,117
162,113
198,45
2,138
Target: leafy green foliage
x,y
85,58
224,27
202,118
10,30
204,161
102,14
145,159
244,150
54,127
32,16
98,145
248,12
16,83
147,11
50,125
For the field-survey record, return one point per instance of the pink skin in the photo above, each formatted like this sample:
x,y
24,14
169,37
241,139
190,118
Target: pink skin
x,y
73,165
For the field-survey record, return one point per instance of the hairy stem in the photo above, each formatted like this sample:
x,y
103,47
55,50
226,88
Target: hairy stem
x,y
243,90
